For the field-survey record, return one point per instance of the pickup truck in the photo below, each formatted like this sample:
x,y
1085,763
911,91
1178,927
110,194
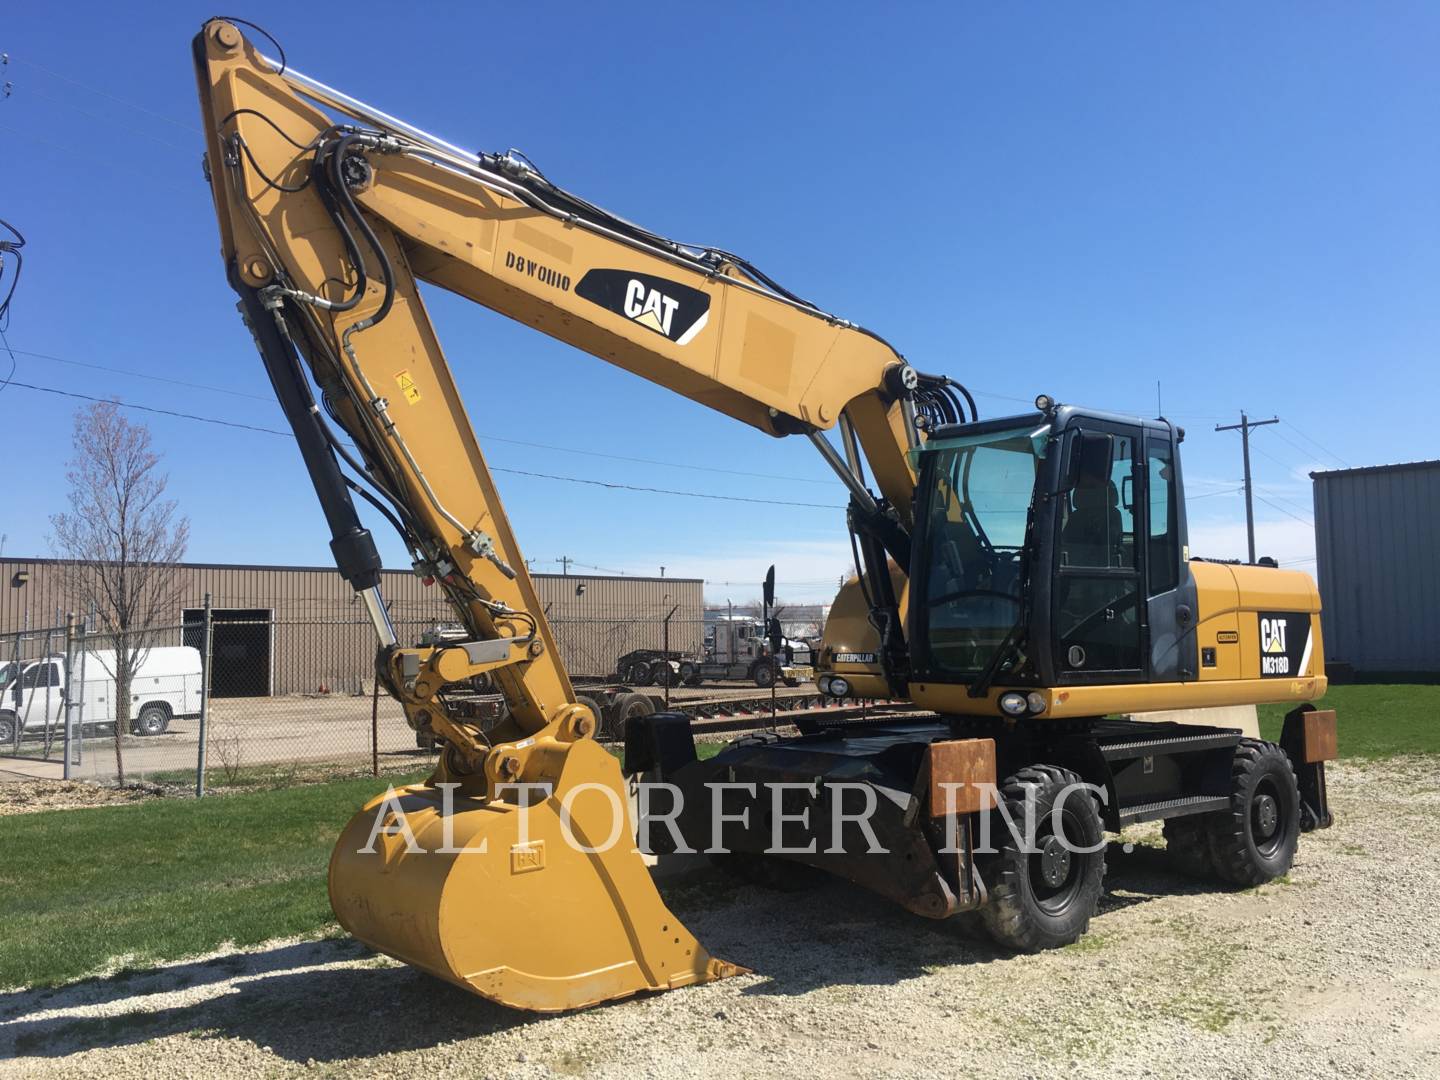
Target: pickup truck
x,y
166,686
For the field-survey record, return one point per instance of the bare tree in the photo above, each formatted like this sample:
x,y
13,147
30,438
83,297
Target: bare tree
x,y
123,539
755,609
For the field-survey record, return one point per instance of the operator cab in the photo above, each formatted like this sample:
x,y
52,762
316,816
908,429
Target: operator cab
x,y
1050,550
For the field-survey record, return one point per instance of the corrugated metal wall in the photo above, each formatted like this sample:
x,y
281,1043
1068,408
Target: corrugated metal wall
x,y
320,635
1377,536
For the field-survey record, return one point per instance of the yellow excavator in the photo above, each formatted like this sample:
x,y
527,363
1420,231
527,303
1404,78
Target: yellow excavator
x,y
1025,580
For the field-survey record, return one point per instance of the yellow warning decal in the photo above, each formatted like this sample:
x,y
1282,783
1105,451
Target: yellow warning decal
x,y
408,389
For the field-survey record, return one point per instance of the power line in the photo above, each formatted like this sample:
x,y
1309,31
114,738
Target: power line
x,y
830,581
106,94
1289,503
108,120
650,461
13,362
669,491
1322,446
1287,513
267,398
270,400
569,562
1303,450
1287,466
614,485
150,409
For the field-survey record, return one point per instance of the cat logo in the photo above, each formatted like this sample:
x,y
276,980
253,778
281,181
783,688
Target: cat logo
x,y
650,307
1272,636
668,308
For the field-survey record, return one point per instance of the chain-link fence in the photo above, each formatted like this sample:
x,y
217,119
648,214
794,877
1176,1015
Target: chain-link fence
x,y
244,699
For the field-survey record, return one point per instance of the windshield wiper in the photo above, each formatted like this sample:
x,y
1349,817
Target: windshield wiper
x,y
1007,649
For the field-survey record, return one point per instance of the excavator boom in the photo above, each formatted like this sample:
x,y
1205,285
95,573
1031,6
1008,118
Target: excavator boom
x,y
331,213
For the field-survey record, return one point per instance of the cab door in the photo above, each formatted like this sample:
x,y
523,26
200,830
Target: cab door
x,y
1099,611
1170,588
41,704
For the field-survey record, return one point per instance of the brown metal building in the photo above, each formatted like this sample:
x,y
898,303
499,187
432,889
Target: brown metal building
x,y
296,629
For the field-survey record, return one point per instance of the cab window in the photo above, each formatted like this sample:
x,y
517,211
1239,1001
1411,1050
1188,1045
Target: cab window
x,y
1098,527
1163,533
42,675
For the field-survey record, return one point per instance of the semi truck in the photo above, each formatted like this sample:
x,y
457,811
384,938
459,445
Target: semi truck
x,y
736,648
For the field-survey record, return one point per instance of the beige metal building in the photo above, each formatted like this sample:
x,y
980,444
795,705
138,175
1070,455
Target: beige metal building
x,y
300,629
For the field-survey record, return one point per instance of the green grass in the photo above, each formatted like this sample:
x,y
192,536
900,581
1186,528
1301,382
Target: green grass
x,y
1375,721
168,878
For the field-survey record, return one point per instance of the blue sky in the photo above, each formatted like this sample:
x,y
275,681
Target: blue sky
x,y
1241,201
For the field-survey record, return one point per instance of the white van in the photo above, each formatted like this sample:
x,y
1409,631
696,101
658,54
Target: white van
x,y
166,687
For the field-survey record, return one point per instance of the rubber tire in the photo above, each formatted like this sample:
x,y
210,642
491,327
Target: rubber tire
x,y
641,673
1237,856
626,707
8,724
1014,917
147,726
763,674
664,674
1187,846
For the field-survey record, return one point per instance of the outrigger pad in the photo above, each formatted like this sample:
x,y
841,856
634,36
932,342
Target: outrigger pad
x,y
1309,740
661,741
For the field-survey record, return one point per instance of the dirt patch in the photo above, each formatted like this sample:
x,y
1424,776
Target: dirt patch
x,y
29,796
1329,972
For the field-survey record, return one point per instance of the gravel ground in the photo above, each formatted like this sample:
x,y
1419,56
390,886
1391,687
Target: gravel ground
x,y
1331,971
27,796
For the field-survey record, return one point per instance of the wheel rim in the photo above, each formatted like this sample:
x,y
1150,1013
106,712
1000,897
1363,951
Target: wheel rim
x,y
1056,873
1267,817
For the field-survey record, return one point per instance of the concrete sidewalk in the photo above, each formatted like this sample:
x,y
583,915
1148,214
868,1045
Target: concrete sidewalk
x,y
25,769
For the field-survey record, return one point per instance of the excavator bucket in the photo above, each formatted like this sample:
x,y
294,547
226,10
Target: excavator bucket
x,y
546,906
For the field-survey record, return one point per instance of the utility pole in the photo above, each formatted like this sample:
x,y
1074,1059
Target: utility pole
x,y
565,562
1244,428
